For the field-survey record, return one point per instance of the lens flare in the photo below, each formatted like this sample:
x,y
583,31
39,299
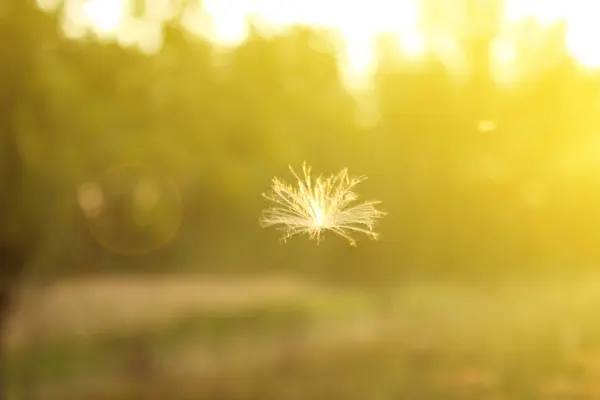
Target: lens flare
x,y
132,208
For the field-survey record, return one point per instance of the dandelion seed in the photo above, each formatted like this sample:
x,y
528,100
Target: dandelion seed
x,y
315,206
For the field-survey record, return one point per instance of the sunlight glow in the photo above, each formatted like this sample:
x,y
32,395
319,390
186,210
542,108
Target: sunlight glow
x,y
582,33
360,23
106,16
543,12
579,17
360,26
228,20
505,56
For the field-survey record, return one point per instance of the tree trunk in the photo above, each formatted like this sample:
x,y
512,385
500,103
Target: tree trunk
x,y
19,42
5,305
12,263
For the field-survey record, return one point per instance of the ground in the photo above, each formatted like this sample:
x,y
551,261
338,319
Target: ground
x,y
283,338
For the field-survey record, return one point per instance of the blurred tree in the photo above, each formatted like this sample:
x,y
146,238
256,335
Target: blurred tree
x,y
23,32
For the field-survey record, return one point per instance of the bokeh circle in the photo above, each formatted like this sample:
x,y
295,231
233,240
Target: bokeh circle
x,y
132,208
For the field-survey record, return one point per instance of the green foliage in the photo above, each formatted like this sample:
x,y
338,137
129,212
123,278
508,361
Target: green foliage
x,y
221,122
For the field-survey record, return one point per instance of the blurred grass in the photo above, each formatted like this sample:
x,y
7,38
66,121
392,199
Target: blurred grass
x,y
418,341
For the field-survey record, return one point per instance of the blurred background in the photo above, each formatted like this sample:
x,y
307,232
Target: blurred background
x,y
136,138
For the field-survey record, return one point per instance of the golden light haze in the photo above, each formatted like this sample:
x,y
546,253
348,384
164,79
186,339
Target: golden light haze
x,y
358,24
